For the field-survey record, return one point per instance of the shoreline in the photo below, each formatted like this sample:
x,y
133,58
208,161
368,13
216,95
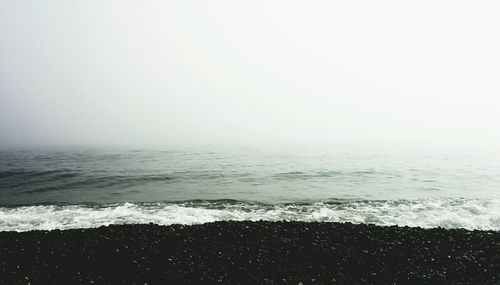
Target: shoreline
x,y
247,252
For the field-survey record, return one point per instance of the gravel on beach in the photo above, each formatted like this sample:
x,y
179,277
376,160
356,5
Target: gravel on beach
x,y
247,252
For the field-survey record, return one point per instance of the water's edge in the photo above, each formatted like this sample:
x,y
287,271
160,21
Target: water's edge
x,y
472,214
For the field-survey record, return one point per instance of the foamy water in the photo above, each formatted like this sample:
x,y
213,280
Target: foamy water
x,y
426,213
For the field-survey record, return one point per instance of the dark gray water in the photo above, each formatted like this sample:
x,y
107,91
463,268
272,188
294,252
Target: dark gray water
x,y
89,187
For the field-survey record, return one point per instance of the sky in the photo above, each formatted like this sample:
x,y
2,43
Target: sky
x,y
141,72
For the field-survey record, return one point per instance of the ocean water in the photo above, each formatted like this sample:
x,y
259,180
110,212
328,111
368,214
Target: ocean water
x,y
84,187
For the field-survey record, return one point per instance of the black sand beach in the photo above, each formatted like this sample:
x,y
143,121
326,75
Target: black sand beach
x,y
251,253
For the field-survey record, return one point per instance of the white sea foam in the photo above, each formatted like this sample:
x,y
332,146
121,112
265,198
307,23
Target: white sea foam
x,y
426,213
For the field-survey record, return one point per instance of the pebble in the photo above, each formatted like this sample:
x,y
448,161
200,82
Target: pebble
x,y
251,253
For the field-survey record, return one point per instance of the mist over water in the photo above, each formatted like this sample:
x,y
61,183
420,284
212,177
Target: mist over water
x,y
136,73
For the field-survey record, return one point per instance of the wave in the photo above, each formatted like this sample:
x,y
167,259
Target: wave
x,y
102,182
303,175
31,181
26,173
35,181
68,173
465,213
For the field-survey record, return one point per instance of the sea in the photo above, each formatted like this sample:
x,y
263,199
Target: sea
x,y
82,187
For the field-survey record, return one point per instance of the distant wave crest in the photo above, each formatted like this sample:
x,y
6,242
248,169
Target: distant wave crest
x,y
30,181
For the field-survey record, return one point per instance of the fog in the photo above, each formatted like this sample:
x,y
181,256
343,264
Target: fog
x,y
247,72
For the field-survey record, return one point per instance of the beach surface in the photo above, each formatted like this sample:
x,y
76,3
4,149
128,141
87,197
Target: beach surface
x,y
251,253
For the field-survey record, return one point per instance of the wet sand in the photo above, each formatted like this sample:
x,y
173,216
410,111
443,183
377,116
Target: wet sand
x,y
251,253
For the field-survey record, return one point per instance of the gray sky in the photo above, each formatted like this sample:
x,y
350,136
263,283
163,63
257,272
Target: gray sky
x,y
163,72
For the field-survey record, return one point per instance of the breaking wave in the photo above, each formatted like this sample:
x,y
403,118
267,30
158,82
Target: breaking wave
x,y
465,213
